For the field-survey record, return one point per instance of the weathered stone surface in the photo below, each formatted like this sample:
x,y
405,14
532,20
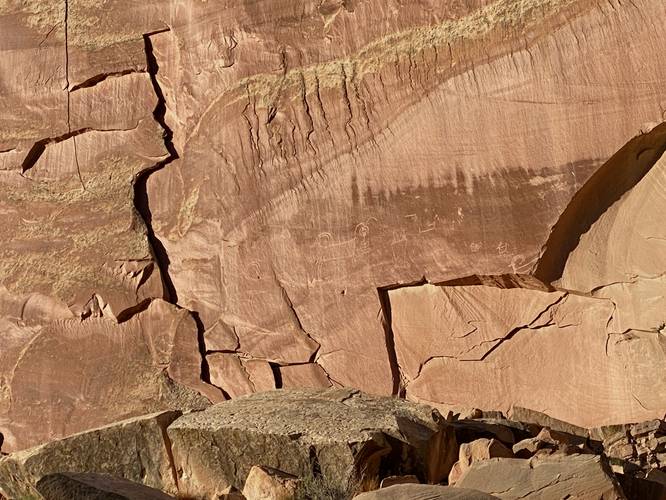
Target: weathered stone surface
x,y
393,480
556,476
338,432
87,486
480,449
279,168
567,344
423,492
442,141
133,449
306,375
265,483
75,375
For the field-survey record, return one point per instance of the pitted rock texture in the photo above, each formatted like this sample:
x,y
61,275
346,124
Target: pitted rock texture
x,y
270,179
339,433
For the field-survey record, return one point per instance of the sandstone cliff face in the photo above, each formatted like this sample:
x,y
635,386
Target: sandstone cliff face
x,y
457,202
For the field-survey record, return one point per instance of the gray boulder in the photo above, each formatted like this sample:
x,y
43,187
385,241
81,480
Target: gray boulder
x,y
342,435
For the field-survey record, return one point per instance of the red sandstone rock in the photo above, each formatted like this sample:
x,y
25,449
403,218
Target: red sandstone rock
x,y
279,169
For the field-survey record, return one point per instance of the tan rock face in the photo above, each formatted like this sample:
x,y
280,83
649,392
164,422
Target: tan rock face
x,y
83,486
73,375
133,450
424,492
278,170
416,147
547,362
480,449
582,476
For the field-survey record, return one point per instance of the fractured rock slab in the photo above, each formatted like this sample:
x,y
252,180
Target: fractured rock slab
x,y
74,375
566,344
436,142
423,492
557,476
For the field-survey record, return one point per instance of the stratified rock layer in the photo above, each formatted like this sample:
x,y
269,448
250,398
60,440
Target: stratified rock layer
x,y
317,165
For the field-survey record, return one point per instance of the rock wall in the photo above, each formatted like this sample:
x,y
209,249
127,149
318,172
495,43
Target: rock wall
x,y
456,202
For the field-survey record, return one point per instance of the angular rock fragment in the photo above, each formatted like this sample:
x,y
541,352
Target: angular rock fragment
x,y
134,450
424,492
481,449
337,434
555,476
306,375
265,483
87,486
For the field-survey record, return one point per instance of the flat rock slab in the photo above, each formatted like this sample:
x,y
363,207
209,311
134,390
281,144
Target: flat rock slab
x,y
72,375
72,486
335,432
423,492
133,450
574,476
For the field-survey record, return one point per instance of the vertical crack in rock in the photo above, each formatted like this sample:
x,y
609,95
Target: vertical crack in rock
x,y
295,318
385,304
142,204
69,122
141,201
607,185
277,375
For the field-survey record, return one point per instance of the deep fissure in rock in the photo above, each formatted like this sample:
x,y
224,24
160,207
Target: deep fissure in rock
x,y
142,204
141,201
385,304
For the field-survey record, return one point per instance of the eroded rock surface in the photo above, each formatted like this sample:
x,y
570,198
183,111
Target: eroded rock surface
x,y
85,486
133,450
338,433
204,200
71,375
423,492
575,476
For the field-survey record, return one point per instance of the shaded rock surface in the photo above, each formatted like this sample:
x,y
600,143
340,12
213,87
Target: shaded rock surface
x,y
424,492
336,443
